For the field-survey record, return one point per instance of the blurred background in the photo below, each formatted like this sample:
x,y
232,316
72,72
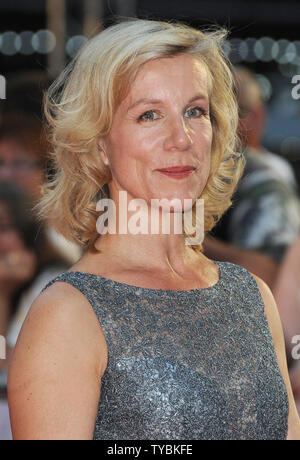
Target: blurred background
x,y
39,37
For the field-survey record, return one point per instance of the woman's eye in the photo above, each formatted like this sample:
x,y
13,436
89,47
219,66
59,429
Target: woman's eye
x,y
196,112
147,116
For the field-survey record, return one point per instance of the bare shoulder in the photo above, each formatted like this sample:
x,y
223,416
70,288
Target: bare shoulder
x,y
55,372
63,310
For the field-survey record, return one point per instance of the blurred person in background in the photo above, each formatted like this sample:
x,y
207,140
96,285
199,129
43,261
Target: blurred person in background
x,y
24,94
265,216
27,260
264,219
27,263
23,154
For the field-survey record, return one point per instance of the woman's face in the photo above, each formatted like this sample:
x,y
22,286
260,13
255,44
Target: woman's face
x,y
163,122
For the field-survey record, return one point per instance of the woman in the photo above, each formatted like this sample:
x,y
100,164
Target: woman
x,y
179,345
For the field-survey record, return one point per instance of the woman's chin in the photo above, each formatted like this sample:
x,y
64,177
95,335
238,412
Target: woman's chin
x,y
173,205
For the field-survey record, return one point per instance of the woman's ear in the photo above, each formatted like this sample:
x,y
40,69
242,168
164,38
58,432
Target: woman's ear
x,y
103,154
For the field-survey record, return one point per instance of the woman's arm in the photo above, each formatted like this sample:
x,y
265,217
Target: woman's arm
x,y
286,293
294,372
56,368
273,318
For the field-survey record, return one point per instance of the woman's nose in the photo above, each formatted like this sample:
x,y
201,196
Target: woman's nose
x,y
178,136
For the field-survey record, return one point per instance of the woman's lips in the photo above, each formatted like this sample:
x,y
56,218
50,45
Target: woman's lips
x,y
177,172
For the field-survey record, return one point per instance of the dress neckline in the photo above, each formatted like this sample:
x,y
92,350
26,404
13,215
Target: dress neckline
x,y
161,291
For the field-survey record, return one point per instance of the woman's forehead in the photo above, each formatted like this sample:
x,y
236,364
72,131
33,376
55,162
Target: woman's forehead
x,y
170,67
156,76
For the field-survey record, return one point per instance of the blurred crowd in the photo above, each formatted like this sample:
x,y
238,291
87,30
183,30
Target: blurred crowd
x,y
31,252
260,231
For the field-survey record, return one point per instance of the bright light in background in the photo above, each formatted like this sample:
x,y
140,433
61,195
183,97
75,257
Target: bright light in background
x,y
9,43
259,49
235,44
26,42
280,51
74,44
265,48
296,60
243,50
286,53
266,86
291,53
43,41
251,56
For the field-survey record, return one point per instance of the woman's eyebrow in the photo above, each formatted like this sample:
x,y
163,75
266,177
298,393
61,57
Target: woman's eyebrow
x,y
145,101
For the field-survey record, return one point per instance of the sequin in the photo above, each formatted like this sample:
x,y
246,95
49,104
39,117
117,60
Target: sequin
x,y
186,365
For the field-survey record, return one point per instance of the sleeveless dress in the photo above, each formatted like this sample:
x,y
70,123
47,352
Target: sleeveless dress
x,y
187,365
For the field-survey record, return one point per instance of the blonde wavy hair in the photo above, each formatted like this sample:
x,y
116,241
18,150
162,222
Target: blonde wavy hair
x,y
79,107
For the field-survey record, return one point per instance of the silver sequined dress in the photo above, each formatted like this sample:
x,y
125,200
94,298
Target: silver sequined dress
x,y
186,365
